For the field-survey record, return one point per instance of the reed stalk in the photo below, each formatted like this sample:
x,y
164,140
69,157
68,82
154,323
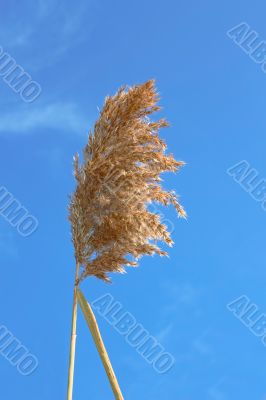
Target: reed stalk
x,y
93,326
116,181
73,338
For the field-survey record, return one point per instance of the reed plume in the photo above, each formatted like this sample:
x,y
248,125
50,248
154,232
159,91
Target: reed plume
x,y
119,177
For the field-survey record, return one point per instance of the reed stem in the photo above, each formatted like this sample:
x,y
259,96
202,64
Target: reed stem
x,y
93,326
73,339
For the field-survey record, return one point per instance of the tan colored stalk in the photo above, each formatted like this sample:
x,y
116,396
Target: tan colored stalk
x,y
73,339
93,326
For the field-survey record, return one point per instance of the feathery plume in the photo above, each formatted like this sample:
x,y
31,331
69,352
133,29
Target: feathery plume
x,y
120,176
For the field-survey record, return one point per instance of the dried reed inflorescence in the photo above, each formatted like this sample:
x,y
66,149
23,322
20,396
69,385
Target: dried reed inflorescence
x,y
119,177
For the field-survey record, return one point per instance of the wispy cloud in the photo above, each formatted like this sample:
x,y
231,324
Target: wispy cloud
x,y
183,293
164,333
19,38
202,346
215,391
62,117
67,21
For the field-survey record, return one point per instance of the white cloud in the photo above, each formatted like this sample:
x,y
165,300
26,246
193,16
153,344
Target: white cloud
x,y
215,392
182,292
202,346
62,117
19,39
163,335
47,29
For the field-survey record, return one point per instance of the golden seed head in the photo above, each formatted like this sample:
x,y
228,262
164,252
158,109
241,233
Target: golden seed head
x,y
119,177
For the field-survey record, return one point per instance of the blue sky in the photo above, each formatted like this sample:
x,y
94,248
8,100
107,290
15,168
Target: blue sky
x,y
212,93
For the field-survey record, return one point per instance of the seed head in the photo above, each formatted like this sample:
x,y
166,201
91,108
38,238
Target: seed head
x,y
119,177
